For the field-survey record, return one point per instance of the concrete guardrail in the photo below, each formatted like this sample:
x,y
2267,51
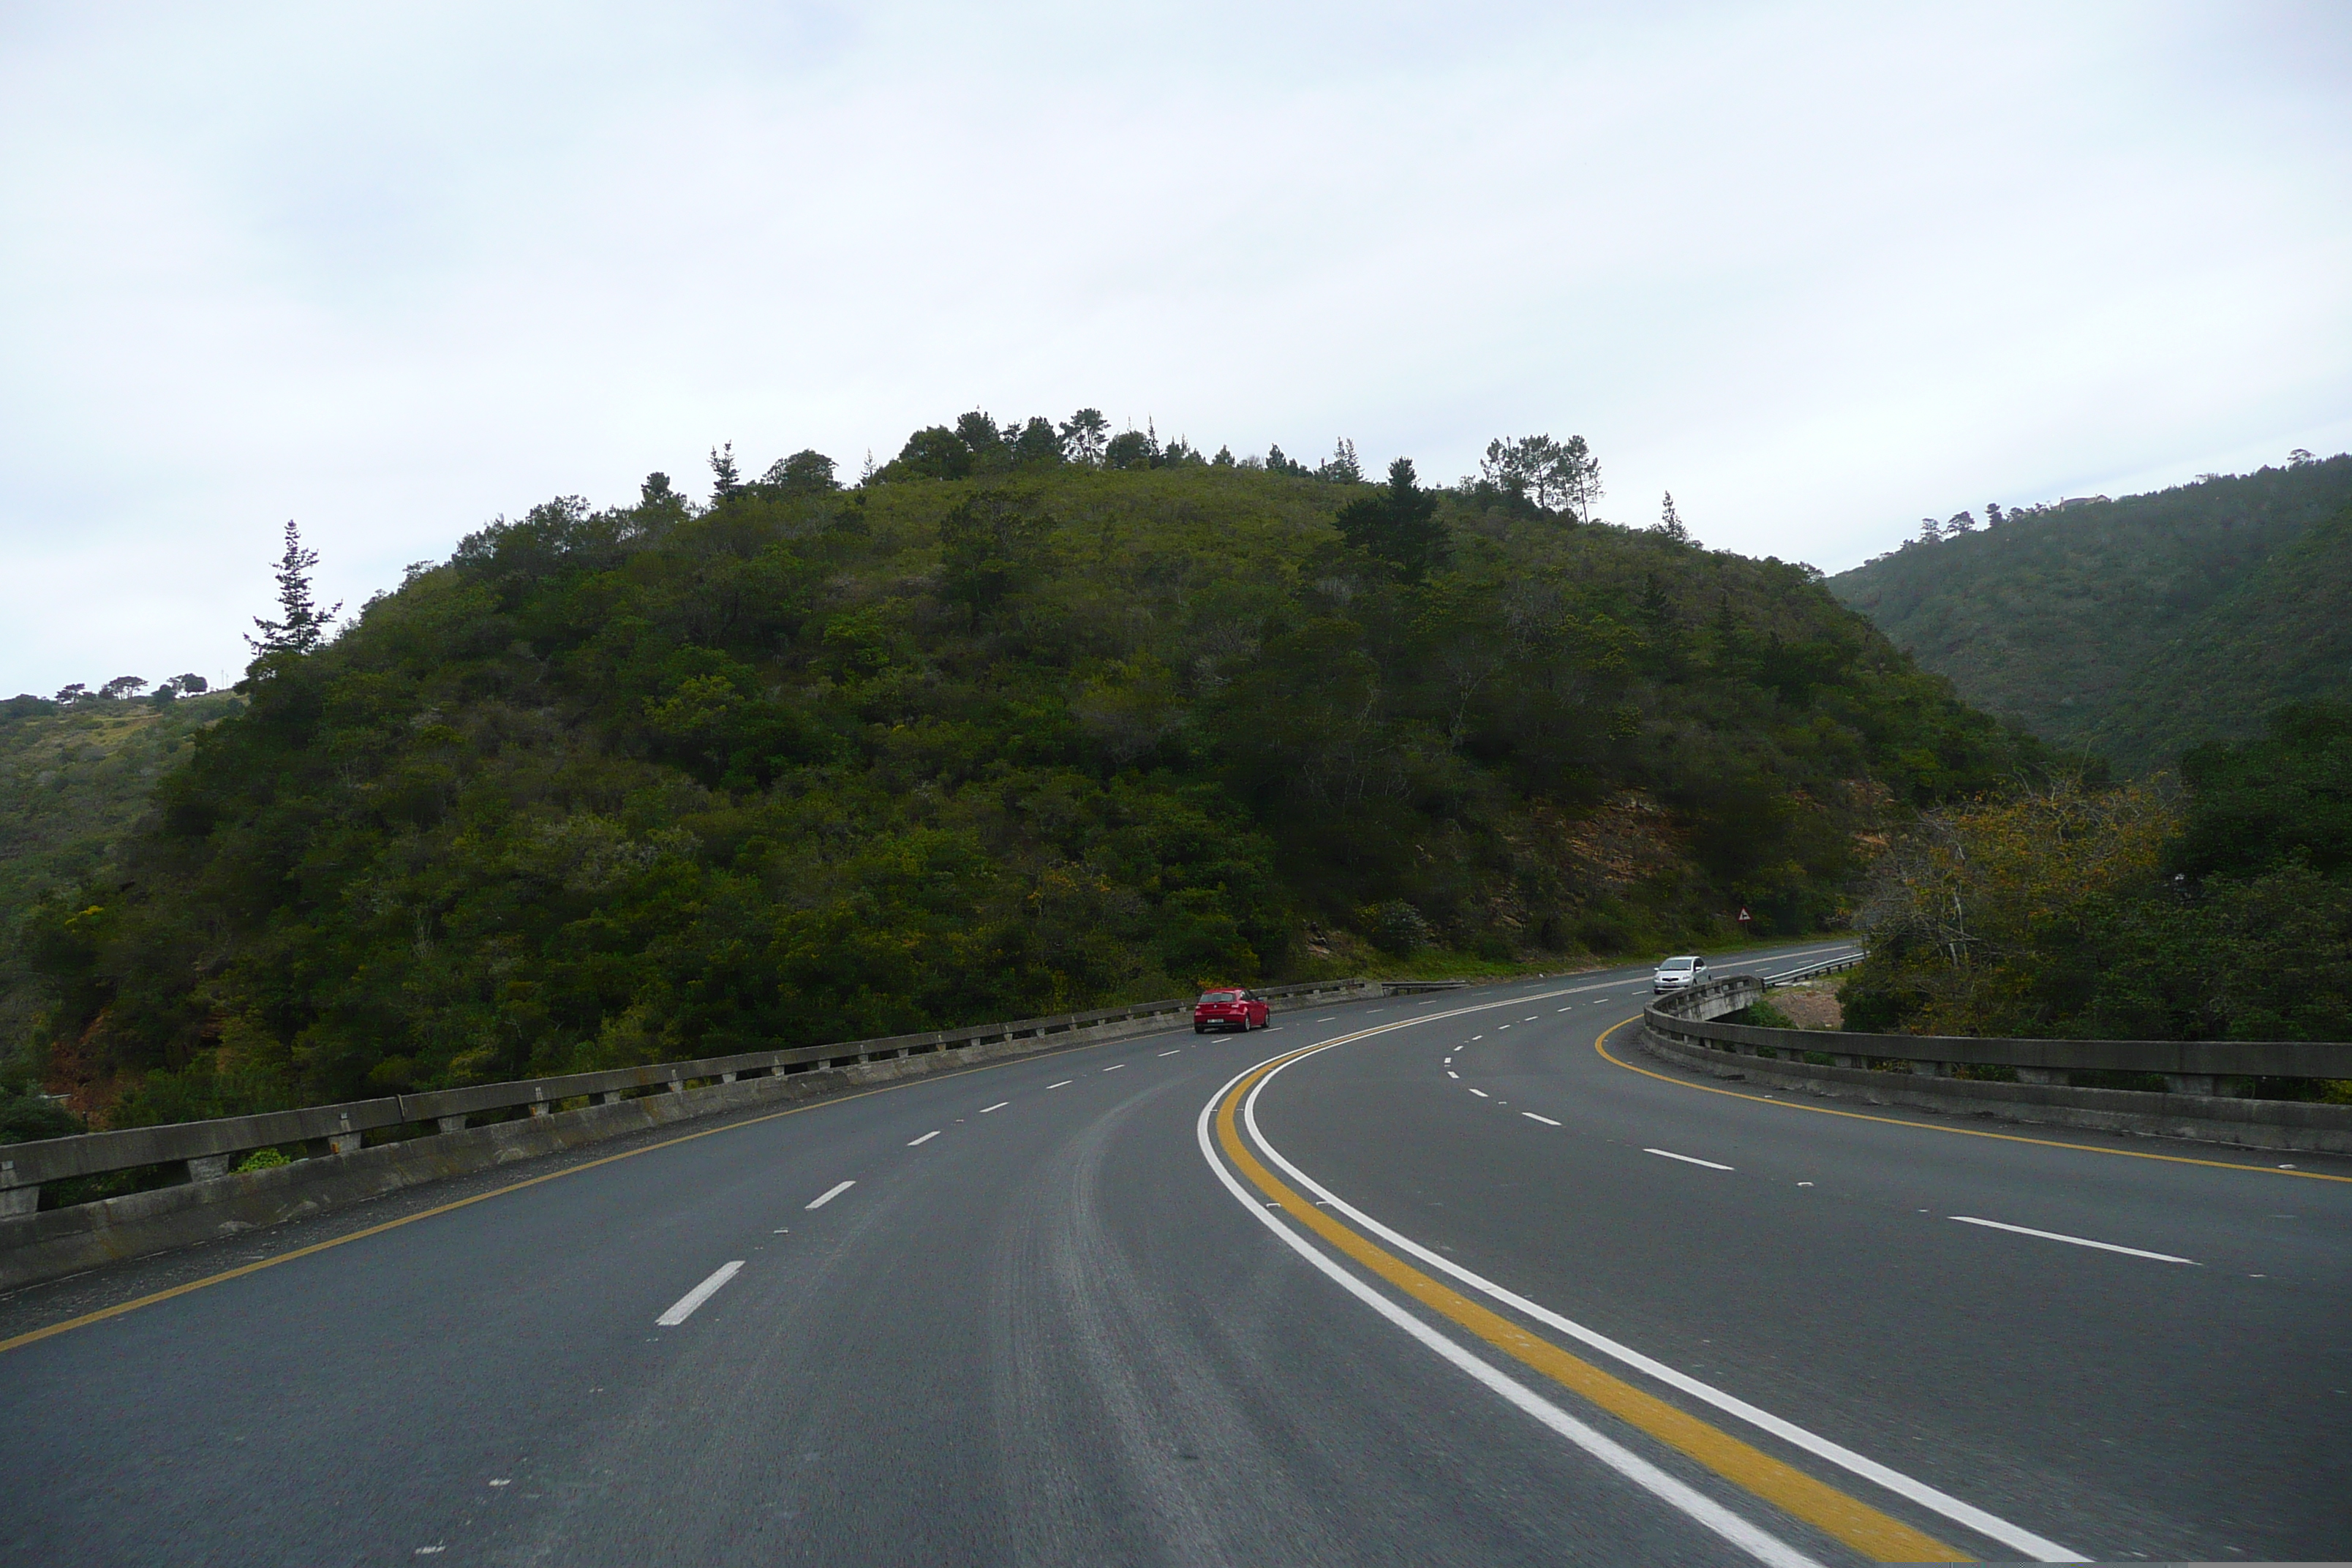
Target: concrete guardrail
x,y
209,1149
2209,1084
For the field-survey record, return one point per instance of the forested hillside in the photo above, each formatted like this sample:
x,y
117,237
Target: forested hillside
x,y
74,779
2214,906
1082,724
2138,628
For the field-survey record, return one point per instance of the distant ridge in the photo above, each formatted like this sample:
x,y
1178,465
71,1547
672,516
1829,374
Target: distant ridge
x,y
2137,627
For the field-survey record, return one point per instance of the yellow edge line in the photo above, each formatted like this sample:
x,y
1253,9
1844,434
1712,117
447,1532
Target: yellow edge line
x,y
1856,1523
1602,1045
120,1308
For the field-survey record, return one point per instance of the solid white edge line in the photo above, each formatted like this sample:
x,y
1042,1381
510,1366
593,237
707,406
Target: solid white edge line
x,y
2041,1548
2077,1240
1697,1506
1686,1159
1531,1116
686,1304
830,1193
924,1138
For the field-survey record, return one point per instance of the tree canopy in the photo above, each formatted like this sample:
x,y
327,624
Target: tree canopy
x,y
988,735
2138,628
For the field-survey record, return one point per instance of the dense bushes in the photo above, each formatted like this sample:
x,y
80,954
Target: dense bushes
x,y
803,764
2220,909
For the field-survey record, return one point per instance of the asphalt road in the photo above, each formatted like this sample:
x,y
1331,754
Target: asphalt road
x,y
1463,1288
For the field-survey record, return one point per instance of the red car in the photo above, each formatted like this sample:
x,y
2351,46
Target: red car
x,y
1243,1010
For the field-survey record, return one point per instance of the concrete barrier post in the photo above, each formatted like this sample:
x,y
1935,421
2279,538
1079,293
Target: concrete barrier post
x,y
2190,1083
610,1096
205,1167
15,1201
2040,1075
450,1123
343,1142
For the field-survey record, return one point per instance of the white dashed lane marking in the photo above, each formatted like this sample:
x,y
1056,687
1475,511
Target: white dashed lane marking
x,y
2077,1240
1531,1116
830,1193
926,1138
686,1305
1685,1158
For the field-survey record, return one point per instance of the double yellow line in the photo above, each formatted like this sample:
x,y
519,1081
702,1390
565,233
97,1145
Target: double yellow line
x,y
1846,1518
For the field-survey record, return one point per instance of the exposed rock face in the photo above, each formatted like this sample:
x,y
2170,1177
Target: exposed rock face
x,y
1812,1006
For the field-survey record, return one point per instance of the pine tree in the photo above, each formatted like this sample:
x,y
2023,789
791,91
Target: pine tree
x,y
1670,522
1400,525
1084,434
304,626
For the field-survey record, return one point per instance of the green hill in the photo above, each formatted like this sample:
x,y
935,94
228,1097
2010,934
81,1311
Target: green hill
x,y
810,763
73,781
2138,628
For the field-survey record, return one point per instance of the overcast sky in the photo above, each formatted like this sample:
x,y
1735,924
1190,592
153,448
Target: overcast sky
x,y
1819,270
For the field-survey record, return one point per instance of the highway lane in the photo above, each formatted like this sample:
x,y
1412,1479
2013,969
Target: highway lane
x,y
1812,1264
1043,1335
1039,1327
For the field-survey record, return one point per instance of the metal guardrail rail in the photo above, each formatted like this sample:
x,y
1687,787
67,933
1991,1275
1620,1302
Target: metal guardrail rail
x,y
2188,1066
1814,970
208,1148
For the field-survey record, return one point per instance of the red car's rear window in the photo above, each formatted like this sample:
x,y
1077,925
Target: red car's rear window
x,y
1221,996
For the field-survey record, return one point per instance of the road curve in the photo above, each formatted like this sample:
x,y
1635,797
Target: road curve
x,y
1478,1283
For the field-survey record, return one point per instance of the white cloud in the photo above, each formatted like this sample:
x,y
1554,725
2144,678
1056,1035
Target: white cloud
x,y
1820,269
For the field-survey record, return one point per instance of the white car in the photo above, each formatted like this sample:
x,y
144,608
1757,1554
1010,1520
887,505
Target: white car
x,y
1677,974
